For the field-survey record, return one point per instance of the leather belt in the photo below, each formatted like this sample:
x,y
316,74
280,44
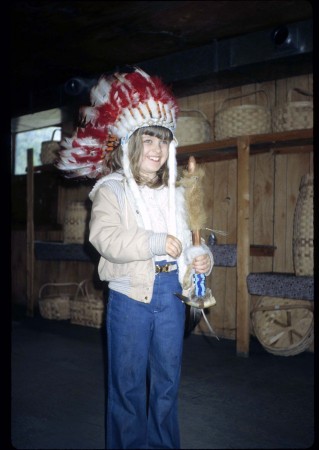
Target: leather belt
x,y
168,267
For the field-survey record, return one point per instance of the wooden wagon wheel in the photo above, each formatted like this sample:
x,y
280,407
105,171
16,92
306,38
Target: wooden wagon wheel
x,y
283,326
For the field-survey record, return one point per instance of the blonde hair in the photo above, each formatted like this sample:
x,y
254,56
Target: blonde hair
x,y
135,151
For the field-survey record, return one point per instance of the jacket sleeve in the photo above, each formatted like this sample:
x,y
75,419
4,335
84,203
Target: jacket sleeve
x,y
115,234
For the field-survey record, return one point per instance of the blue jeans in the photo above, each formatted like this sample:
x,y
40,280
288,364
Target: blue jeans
x,y
145,343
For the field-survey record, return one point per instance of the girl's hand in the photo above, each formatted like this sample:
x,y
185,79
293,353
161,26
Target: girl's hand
x,y
201,264
173,246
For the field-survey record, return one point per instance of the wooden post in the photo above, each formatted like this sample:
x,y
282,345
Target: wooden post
x,y
30,234
243,247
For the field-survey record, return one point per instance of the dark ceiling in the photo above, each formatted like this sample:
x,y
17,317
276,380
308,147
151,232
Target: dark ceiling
x,y
182,41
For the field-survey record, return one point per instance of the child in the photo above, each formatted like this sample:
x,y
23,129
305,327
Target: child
x,y
140,228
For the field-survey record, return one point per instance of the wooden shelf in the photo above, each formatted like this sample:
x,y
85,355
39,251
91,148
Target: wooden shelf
x,y
281,285
225,255
284,142
294,141
60,251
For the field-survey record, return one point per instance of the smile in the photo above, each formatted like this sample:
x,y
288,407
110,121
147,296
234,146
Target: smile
x,y
154,158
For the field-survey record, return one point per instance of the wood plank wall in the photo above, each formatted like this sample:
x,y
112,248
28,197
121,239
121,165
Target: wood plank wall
x,y
274,188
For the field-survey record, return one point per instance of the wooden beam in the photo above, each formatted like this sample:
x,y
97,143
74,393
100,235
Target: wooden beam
x,y
301,149
294,141
243,248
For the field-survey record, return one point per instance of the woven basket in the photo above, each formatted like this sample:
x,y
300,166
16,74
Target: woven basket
x,y
284,327
75,223
192,127
303,232
293,115
54,303
49,150
242,120
86,309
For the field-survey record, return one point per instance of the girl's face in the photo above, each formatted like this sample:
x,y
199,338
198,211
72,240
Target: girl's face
x,y
154,155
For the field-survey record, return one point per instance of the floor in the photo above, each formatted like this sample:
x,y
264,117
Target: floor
x,y
226,401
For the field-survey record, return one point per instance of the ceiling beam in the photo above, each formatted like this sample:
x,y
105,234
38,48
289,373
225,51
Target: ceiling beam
x,y
282,52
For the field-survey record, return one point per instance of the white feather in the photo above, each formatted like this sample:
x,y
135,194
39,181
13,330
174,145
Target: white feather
x,y
100,93
172,166
119,129
153,107
128,120
89,113
88,141
67,142
171,116
138,118
144,110
162,112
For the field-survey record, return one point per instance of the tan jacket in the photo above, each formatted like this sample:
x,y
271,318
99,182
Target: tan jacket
x,y
127,250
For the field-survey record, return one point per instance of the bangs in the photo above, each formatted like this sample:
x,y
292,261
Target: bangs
x,y
159,132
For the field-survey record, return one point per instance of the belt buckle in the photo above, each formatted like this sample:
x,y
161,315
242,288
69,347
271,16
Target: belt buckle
x,y
160,269
165,268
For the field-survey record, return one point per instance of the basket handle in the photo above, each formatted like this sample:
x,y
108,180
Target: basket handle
x,y
300,91
55,284
82,288
196,110
52,137
246,95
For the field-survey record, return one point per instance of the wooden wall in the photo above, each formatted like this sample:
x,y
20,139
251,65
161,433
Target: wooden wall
x,y
274,187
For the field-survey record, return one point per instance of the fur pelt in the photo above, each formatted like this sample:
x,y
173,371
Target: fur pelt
x,y
192,182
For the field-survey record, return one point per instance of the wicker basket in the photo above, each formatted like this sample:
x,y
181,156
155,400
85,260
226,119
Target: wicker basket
x,y
293,115
284,327
49,150
303,232
242,120
54,302
86,309
192,127
75,223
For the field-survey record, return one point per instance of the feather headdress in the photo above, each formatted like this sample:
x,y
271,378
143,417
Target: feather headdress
x,y
120,104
